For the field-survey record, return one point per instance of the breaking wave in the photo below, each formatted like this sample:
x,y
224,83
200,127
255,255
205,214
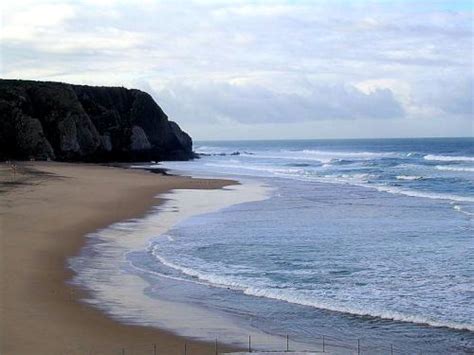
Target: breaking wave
x,y
295,297
447,158
422,194
455,168
460,209
409,177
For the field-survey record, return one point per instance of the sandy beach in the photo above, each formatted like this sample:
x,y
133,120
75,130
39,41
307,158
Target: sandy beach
x,y
46,209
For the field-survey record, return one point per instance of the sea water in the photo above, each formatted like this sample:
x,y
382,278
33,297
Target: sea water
x,y
356,239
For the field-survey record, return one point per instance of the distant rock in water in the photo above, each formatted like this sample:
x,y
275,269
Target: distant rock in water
x,y
58,121
236,153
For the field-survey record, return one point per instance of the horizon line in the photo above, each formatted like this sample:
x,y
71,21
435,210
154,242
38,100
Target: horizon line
x,y
346,138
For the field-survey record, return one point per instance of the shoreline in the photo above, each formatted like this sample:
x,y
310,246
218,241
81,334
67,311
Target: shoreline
x,y
124,330
113,265
346,323
41,312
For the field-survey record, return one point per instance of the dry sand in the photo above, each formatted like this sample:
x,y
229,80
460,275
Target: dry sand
x,y
45,211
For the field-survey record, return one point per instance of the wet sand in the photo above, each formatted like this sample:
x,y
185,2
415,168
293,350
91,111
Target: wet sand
x,y
46,209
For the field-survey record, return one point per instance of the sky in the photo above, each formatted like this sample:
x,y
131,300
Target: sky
x,y
261,69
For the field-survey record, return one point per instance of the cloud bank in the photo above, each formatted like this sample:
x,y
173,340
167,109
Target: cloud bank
x,y
286,69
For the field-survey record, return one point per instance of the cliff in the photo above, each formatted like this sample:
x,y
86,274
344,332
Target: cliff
x,y
58,121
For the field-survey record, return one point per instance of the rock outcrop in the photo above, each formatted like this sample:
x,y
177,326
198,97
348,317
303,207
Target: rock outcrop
x,y
64,122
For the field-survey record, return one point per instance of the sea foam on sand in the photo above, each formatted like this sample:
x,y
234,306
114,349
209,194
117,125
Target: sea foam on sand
x,y
100,267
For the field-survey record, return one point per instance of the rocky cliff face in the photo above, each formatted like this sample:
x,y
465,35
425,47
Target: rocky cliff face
x,y
57,121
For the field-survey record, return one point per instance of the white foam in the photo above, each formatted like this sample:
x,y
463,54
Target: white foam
x,y
121,295
290,156
357,179
258,170
295,297
409,177
340,154
210,150
291,297
422,194
304,155
454,168
330,156
460,209
447,158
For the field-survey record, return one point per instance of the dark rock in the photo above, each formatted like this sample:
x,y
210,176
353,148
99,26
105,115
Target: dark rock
x,y
139,140
48,120
31,136
236,153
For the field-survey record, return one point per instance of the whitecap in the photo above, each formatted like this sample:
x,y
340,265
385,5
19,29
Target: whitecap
x,y
461,210
422,194
455,168
293,296
409,177
447,158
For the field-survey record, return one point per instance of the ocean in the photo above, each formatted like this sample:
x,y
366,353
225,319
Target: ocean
x,y
368,243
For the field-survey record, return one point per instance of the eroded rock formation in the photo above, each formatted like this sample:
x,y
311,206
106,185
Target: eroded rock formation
x,y
58,121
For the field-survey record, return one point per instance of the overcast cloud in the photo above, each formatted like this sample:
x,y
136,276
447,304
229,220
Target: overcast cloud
x,y
261,69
